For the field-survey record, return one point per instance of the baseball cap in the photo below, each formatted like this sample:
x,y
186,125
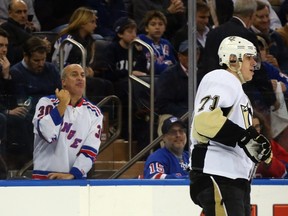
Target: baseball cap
x,y
122,23
169,122
183,47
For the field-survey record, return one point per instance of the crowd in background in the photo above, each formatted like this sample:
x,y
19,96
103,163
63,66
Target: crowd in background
x,y
105,28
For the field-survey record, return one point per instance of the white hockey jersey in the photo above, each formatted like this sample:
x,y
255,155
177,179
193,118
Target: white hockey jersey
x,y
66,144
222,113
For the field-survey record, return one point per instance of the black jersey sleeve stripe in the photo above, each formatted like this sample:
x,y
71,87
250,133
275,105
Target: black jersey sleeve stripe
x,y
198,157
229,134
226,111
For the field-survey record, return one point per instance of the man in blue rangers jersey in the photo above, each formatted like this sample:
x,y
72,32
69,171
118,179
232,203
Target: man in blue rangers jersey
x,y
225,148
171,161
67,130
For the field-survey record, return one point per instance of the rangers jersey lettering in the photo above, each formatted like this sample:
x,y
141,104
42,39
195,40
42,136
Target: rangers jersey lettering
x,y
65,144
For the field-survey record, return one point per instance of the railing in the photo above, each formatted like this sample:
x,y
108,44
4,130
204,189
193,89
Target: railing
x,y
151,86
119,120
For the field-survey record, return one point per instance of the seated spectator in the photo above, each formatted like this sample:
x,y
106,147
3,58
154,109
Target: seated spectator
x,y
171,161
16,147
261,93
264,43
18,28
261,89
202,26
175,12
171,90
155,24
261,24
32,18
274,74
67,130
80,28
34,76
277,168
172,86
117,59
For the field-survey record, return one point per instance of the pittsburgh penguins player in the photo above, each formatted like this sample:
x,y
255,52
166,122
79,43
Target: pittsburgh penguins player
x,y
225,147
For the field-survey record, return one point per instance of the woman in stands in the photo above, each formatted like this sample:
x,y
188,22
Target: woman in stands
x,y
80,28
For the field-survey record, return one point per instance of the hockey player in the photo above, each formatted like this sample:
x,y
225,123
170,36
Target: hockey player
x,y
171,161
67,130
224,146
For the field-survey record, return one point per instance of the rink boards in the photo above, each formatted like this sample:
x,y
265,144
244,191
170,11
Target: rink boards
x,y
123,198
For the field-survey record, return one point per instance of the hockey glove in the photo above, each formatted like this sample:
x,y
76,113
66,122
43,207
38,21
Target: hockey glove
x,y
251,149
256,146
265,152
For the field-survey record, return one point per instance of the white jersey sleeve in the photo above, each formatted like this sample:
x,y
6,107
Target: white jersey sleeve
x,y
47,119
66,144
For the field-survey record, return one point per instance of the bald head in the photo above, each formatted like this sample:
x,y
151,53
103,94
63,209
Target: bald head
x,y
17,10
73,80
69,68
15,3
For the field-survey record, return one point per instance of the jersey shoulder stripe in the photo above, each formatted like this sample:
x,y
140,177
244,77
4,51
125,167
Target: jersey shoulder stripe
x,y
53,99
92,107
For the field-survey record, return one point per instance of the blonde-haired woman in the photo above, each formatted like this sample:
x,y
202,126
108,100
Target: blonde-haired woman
x,y
80,28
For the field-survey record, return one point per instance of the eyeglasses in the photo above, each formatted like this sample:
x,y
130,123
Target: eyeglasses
x,y
175,132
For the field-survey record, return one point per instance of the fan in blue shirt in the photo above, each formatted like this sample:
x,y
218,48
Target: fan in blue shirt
x,y
171,161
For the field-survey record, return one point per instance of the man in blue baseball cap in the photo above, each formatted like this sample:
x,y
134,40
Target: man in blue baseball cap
x,y
171,161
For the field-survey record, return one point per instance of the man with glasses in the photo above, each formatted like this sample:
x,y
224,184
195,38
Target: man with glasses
x,y
171,161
